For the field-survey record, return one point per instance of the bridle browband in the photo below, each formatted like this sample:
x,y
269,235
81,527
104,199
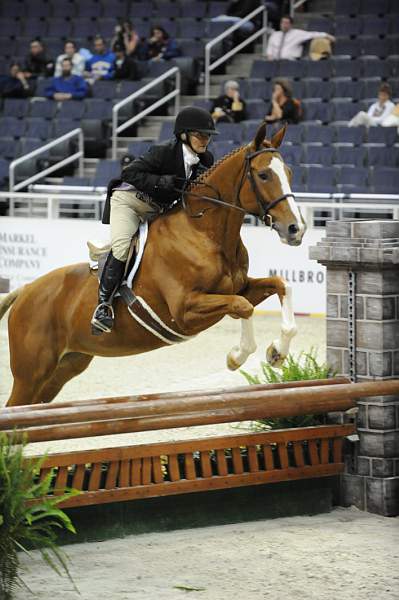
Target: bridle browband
x,y
247,172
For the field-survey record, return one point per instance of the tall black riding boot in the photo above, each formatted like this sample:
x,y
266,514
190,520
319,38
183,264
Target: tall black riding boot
x,y
111,278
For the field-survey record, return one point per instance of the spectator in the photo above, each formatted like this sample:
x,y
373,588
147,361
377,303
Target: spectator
x,y
78,62
283,106
378,111
229,107
392,120
67,86
126,36
15,85
236,10
37,62
288,42
125,66
159,46
101,64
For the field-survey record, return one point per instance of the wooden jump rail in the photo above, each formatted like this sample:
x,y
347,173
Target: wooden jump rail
x,y
141,471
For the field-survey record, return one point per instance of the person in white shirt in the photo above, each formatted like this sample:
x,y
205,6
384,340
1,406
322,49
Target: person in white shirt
x,y
378,111
78,62
288,42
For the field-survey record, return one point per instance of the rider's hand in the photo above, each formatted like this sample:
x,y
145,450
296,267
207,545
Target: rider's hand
x,y
167,183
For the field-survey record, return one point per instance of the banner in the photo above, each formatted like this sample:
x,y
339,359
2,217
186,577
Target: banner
x,y
31,247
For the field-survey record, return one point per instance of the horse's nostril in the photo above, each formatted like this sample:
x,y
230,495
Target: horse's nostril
x,y
293,229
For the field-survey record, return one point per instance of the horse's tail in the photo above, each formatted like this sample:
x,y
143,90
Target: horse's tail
x,y
8,301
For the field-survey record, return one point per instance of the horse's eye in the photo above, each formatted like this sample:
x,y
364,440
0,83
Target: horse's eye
x,y
263,175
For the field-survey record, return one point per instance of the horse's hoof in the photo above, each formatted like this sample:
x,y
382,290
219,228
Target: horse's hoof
x,y
232,363
274,358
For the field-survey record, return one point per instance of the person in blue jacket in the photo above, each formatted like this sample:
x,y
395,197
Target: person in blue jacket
x,y
160,46
101,64
67,86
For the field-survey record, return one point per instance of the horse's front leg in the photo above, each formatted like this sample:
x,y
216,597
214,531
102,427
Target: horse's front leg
x,y
258,290
199,310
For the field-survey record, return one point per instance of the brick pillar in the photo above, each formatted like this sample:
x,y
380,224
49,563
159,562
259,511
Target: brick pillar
x,y
364,256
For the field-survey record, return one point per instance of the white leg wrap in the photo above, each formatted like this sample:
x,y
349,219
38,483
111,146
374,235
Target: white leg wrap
x,y
288,326
239,354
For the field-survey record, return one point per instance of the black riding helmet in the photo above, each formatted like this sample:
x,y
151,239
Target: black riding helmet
x,y
193,118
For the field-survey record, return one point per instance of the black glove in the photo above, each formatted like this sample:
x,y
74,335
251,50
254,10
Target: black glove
x,y
167,183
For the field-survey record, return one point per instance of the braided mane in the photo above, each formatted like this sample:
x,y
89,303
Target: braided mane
x,y
201,178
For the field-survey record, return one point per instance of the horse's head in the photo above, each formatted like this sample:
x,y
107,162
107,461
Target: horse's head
x,y
267,190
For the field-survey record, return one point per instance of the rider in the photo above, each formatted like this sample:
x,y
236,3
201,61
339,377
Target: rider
x,y
148,185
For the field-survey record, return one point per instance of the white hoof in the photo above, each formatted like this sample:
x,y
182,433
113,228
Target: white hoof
x,y
234,360
274,357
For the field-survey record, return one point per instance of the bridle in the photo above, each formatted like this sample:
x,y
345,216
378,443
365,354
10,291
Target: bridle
x,y
248,172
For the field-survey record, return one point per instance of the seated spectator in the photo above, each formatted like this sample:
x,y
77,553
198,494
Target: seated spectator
x,y
126,36
101,64
392,120
125,66
283,106
229,107
159,46
67,86
15,85
288,42
78,62
37,62
378,111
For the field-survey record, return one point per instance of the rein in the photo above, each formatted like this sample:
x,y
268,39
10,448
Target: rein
x,y
247,172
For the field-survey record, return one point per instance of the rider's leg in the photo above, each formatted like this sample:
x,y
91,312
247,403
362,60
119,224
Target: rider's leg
x,y
126,213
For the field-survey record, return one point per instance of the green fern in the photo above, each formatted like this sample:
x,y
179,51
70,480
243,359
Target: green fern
x,y
29,516
303,367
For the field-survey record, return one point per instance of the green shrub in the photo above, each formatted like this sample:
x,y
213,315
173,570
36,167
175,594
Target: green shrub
x,y
25,524
303,367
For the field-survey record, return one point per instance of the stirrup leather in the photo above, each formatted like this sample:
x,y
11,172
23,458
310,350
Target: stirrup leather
x,y
96,323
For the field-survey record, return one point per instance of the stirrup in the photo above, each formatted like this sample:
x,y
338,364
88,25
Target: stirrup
x,y
96,324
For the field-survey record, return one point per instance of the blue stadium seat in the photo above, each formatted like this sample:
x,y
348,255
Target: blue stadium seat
x,y
193,9
10,27
105,171
394,21
372,46
138,148
37,9
126,88
256,109
45,109
230,131
171,10
347,47
11,127
344,110
41,86
105,26
29,144
320,24
18,107
4,166
349,155
220,149
392,42
8,147
62,126
117,8
72,109
344,67
35,27
372,25
298,183
37,127
264,69
370,88
316,154
293,155
349,135
321,69
255,88
155,69
315,110
83,27
323,134
321,179
294,134
291,69
166,131
249,129
169,25
382,135
378,155
316,88
89,8
384,180
193,48
374,7
139,10
10,9
104,89
352,180
345,26
78,181
216,8
58,27
63,8
191,28
7,47
202,103
393,65
345,87
343,7
394,83
373,67
215,28
97,108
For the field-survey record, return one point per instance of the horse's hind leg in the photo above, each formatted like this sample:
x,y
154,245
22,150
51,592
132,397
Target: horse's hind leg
x,y
70,366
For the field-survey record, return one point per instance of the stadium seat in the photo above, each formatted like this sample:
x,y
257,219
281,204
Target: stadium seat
x,y
345,87
36,127
126,88
372,25
7,47
320,24
202,103
78,181
316,154
139,10
230,131
372,46
116,9
294,134
191,28
384,180
216,8
138,148
347,47
321,179
18,107
322,134
41,86
316,88
83,27
192,48
221,148
11,127
352,180
37,9
298,183
10,9
315,110
104,89
89,8
59,27
4,169
63,8
373,67
263,69
393,65
256,109
29,144
344,110
254,88
170,10
293,155
291,69
166,131
45,109
321,69
105,171
344,67
370,88
10,27
193,9
349,155
72,109
97,108
8,147
349,135
345,26
394,83
62,126
378,155
374,7
382,135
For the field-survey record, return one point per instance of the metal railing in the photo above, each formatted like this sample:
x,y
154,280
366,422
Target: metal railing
x,y
65,161
115,110
294,5
208,47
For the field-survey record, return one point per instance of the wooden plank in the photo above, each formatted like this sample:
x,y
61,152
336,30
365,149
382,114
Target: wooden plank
x,y
283,455
324,452
61,481
209,443
189,467
298,454
268,456
44,473
221,462
95,475
237,461
198,485
112,474
146,473
337,449
313,453
174,471
78,477
124,473
157,469
206,469
253,459
136,471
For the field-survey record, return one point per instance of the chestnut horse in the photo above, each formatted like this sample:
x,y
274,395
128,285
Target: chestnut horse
x,y
193,273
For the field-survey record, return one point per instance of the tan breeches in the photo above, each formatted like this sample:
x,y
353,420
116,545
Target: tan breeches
x,y
127,211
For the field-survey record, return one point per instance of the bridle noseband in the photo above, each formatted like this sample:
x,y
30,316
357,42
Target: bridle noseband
x,y
247,172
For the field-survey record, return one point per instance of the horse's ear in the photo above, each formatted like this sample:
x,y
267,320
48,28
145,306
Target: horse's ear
x,y
278,137
260,136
